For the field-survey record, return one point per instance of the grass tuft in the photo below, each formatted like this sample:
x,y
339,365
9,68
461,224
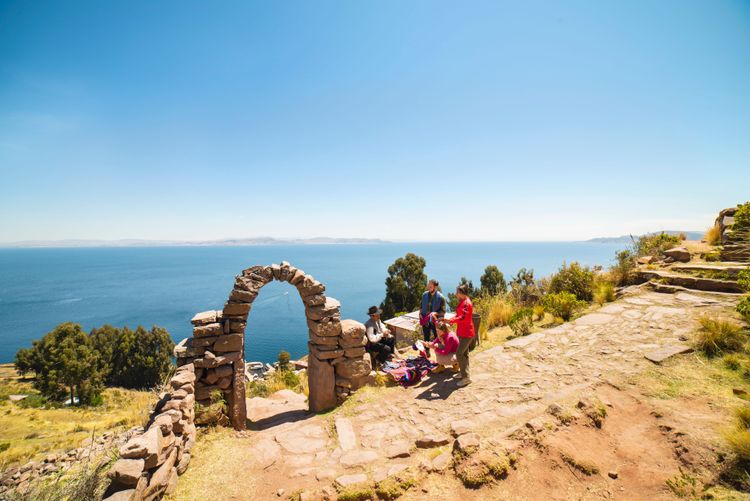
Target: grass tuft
x,y
717,336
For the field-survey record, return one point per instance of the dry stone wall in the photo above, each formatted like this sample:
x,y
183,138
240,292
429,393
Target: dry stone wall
x,y
150,463
735,243
337,364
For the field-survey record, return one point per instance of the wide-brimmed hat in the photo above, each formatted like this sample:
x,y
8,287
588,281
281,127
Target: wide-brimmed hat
x,y
374,310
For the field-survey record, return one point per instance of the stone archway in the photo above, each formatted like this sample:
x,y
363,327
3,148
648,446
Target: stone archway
x,y
337,362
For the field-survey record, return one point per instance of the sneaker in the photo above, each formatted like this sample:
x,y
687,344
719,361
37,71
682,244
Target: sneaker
x,y
464,382
455,368
438,369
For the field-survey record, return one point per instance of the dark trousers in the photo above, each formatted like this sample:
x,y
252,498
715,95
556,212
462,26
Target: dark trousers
x,y
429,332
383,348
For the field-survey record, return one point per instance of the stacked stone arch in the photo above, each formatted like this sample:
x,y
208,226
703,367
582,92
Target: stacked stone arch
x,y
337,364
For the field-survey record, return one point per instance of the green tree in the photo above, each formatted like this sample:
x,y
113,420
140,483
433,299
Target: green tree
x,y
24,361
64,364
453,299
405,285
133,359
284,358
492,281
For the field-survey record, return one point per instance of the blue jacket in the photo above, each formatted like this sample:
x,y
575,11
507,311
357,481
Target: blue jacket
x,y
438,304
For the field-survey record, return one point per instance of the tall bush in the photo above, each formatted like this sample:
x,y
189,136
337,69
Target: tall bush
x,y
655,244
562,304
574,278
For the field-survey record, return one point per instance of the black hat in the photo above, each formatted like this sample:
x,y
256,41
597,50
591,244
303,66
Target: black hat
x,y
374,310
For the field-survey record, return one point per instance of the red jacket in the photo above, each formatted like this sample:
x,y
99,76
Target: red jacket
x,y
463,319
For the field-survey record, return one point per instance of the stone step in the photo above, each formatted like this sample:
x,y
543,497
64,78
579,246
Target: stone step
x,y
731,269
688,281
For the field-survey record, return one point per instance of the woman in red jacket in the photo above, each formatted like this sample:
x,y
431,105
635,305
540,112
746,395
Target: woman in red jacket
x,y
465,333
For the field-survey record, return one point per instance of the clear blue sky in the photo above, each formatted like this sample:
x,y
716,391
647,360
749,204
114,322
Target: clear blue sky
x,y
400,120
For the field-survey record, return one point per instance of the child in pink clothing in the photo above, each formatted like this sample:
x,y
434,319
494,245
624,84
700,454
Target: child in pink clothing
x,y
445,346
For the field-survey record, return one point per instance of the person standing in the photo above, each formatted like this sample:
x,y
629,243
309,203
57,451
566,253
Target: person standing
x,y
465,333
432,302
380,341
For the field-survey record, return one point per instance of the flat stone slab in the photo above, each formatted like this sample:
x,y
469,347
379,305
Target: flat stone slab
x,y
637,301
347,480
522,341
595,319
659,355
692,298
308,439
357,458
345,432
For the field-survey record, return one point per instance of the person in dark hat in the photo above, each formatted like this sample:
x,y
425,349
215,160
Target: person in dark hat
x,y
380,341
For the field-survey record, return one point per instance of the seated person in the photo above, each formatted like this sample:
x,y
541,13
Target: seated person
x,y
380,341
445,346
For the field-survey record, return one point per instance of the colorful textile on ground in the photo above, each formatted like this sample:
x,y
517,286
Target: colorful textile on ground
x,y
410,371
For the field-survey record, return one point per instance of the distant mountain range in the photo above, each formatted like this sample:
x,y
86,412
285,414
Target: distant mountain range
x,y
186,243
626,239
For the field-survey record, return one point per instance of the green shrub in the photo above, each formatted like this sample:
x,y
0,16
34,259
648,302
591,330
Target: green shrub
x,y
623,268
743,308
4,446
743,279
283,359
742,217
538,311
573,278
562,304
495,311
732,362
718,336
33,401
656,244
604,293
523,288
521,322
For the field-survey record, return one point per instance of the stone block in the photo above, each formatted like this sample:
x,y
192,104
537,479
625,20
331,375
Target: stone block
x,y
242,296
126,472
327,310
314,300
182,378
224,382
238,409
204,317
325,341
160,478
351,368
236,309
206,330
327,327
352,334
236,326
203,391
321,380
297,277
228,343
354,352
322,354
310,287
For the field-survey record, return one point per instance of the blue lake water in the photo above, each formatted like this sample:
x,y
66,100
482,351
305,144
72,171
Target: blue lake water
x,y
166,286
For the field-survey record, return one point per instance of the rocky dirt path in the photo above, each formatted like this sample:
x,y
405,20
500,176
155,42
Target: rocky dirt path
x,y
513,384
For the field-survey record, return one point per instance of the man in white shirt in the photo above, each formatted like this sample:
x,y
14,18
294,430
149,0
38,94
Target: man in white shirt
x,y
380,341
